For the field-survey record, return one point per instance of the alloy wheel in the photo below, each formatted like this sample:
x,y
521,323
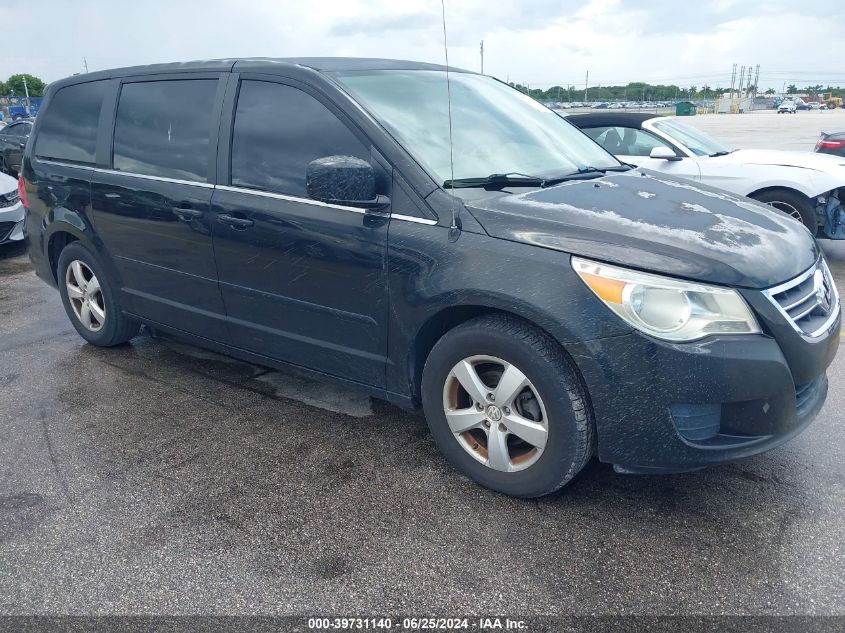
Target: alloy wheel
x,y
787,208
495,413
85,295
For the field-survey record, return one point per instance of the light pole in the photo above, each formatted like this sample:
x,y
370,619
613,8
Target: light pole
x,y
26,92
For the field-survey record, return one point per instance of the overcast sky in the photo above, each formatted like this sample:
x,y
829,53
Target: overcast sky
x,y
541,42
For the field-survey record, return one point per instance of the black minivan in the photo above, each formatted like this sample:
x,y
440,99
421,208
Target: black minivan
x,y
542,301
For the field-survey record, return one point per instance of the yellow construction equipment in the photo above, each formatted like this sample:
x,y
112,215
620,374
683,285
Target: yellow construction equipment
x,y
831,101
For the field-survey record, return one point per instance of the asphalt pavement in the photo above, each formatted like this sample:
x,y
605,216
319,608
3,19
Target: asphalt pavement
x,y
156,478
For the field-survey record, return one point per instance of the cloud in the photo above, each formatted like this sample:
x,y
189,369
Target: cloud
x,y
542,42
379,25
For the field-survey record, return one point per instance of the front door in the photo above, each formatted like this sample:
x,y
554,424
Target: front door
x,y
303,281
151,209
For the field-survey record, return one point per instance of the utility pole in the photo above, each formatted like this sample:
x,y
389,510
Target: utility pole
x,y
733,82
482,57
85,61
26,91
741,81
586,84
754,86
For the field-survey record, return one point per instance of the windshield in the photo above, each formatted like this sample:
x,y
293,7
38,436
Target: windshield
x,y
693,139
496,129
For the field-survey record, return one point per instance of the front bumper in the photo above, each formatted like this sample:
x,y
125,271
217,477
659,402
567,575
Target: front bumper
x,y
663,407
11,223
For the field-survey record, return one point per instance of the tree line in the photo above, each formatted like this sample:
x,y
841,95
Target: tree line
x,y
634,91
14,85
640,91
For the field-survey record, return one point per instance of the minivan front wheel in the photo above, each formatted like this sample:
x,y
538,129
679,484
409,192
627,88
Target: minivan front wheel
x,y
90,298
505,406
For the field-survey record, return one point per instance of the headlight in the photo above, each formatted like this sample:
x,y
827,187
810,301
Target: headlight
x,y
666,308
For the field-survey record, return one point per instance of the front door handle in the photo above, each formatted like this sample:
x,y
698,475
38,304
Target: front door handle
x,y
186,214
239,224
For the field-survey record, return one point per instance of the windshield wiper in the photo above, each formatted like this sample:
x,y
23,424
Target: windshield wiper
x,y
586,172
722,153
516,179
512,179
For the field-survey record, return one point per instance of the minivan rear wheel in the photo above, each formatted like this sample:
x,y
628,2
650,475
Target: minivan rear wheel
x,y
506,407
90,298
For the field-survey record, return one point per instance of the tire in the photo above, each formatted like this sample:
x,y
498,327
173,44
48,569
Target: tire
x,y
80,272
552,399
792,203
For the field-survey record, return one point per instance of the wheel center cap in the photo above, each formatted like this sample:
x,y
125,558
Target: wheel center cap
x,y
493,412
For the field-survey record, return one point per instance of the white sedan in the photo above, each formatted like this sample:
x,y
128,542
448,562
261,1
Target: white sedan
x,y
808,186
11,211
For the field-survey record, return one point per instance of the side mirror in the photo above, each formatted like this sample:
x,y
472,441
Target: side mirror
x,y
663,153
344,180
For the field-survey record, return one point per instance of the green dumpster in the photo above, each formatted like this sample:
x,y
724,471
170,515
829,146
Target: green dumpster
x,y
684,108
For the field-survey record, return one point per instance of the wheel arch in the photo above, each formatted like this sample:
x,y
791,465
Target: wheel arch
x,y
770,188
448,318
68,227
56,243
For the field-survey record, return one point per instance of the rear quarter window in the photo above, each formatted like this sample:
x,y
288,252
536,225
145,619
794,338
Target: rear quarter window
x,y
68,127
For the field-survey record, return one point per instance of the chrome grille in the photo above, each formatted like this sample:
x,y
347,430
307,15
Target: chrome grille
x,y
9,199
810,302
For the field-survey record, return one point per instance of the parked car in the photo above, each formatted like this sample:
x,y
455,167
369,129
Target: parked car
x,y
800,104
11,211
13,139
809,187
817,106
787,106
831,143
541,300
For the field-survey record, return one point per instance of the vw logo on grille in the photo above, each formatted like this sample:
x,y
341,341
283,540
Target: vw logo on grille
x,y
822,292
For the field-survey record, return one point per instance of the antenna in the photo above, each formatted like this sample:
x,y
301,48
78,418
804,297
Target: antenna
x,y
453,230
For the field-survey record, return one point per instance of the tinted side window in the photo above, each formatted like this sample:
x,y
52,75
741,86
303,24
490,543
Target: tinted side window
x,y
278,131
638,142
68,128
13,130
625,141
163,128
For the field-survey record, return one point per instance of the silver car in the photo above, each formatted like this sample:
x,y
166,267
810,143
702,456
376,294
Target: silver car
x,y
11,211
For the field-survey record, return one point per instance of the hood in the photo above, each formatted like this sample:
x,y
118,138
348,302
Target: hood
x,y
645,220
806,160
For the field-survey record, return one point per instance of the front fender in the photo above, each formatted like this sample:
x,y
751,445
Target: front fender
x,y
429,277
